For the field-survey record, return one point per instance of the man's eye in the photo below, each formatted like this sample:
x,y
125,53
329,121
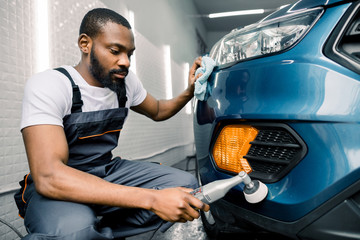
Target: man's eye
x,y
114,51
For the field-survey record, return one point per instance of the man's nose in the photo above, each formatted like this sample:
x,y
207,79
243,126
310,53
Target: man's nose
x,y
124,60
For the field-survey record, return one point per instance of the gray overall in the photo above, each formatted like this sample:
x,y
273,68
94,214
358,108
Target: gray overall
x,y
91,137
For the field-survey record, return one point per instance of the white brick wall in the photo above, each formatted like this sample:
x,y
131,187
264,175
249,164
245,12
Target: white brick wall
x,y
15,66
166,142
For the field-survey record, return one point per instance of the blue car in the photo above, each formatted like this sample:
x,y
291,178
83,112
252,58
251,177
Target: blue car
x,y
283,104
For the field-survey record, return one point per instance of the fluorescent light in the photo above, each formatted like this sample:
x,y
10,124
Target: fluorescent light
x,y
42,35
168,80
236,13
282,6
132,19
133,57
186,82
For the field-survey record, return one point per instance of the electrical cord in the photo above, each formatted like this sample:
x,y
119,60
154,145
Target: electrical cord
x,y
188,159
11,227
156,230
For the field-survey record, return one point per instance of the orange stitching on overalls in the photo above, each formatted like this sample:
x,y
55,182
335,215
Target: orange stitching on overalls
x,y
117,130
22,195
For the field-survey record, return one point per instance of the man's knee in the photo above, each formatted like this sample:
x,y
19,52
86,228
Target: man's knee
x,y
185,179
192,182
57,218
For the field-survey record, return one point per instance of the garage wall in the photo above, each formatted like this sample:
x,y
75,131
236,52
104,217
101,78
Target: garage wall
x,y
159,26
162,22
213,37
15,66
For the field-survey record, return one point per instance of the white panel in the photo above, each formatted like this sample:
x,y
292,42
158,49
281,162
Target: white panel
x,y
41,29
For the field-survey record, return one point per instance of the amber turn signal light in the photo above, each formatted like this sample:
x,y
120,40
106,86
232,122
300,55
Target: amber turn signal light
x,y
232,145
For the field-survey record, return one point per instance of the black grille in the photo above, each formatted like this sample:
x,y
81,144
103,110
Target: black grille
x,y
274,152
283,154
266,168
274,136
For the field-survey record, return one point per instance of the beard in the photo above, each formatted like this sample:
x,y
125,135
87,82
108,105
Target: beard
x,y
107,79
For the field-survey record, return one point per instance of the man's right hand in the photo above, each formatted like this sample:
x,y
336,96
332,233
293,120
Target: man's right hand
x,y
177,205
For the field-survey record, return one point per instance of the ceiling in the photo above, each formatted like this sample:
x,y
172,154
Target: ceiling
x,y
226,24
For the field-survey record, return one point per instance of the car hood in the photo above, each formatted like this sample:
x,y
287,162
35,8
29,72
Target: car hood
x,y
315,3
301,5
312,3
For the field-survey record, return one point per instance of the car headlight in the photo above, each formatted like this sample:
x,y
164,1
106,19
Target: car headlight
x,y
263,38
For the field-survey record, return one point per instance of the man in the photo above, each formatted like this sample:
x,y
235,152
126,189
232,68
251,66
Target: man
x,y
70,124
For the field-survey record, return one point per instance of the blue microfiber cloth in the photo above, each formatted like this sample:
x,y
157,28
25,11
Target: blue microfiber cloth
x,y
202,90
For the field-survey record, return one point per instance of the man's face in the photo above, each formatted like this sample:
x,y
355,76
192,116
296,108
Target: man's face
x,y
106,78
110,55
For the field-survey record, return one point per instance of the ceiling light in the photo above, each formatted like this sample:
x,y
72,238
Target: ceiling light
x,y
236,13
282,6
42,35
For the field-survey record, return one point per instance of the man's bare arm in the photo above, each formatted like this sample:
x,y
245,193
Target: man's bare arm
x,y
160,110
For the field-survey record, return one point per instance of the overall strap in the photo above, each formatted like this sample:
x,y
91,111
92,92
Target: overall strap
x,y
76,99
122,99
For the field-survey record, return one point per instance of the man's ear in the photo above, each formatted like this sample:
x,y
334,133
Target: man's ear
x,y
84,43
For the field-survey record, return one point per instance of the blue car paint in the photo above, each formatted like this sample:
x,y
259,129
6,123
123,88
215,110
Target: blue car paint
x,y
315,96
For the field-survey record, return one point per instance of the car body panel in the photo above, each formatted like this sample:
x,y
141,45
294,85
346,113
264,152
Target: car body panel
x,y
321,104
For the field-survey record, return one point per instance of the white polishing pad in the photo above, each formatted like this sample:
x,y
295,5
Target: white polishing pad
x,y
258,195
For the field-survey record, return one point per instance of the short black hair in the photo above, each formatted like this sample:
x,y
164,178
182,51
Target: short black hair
x,y
97,18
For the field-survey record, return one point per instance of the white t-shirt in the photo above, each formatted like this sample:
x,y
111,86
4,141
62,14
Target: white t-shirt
x,y
48,96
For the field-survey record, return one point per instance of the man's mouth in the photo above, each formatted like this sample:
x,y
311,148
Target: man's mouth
x,y
122,73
